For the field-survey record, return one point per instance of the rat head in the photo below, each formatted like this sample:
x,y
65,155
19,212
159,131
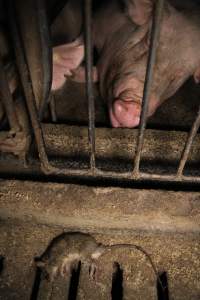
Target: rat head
x,y
176,60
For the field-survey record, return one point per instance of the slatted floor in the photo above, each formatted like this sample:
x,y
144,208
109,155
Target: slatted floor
x,y
175,255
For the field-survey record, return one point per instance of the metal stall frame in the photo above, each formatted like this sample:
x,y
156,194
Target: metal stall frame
x,y
93,171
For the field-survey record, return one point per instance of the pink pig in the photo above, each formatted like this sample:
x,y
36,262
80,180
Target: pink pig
x,y
121,36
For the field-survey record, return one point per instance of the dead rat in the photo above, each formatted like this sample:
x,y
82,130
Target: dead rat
x,y
66,251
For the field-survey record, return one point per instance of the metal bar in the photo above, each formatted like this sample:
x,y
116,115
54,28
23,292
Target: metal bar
x,y
52,107
7,100
46,55
14,167
89,80
188,145
55,9
148,81
27,86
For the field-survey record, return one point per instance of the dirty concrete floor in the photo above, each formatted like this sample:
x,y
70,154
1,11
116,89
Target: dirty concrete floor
x,y
33,213
178,255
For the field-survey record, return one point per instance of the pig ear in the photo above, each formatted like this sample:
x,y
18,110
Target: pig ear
x,y
139,11
197,75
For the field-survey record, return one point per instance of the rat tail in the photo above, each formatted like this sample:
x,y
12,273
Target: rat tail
x,y
141,249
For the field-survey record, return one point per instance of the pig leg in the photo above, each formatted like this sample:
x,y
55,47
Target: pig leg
x,y
15,143
66,58
18,142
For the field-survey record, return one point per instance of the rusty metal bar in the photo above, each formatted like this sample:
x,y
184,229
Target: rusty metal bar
x,y
16,168
27,86
89,80
148,81
7,99
46,54
188,145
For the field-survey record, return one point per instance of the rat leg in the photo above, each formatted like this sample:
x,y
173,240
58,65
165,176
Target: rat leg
x,y
52,273
65,268
68,265
16,143
93,271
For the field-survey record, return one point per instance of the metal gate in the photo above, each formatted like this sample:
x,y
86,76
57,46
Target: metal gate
x,y
44,204
35,115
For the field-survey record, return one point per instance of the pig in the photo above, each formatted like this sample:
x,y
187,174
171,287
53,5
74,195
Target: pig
x,y
68,44
121,34
123,44
66,59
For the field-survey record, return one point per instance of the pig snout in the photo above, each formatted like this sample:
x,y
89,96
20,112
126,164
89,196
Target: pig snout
x,y
125,113
125,106
125,109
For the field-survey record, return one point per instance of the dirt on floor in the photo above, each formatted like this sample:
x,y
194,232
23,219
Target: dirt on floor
x,y
177,255
164,224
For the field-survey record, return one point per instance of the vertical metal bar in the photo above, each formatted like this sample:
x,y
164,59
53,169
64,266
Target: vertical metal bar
x,y
188,145
52,107
27,86
46,54
7,99
155,33
89,80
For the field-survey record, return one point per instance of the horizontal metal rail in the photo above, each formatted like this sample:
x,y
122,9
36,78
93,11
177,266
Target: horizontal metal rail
x,y
128,175
17,168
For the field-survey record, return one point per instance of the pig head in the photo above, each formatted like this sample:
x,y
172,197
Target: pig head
x,y
124,47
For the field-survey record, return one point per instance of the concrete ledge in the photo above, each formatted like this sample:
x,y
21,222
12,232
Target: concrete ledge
x,y
99,209
62,140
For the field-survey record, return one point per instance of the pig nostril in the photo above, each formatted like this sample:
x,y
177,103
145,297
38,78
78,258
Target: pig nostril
x,y
125,114
119,108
